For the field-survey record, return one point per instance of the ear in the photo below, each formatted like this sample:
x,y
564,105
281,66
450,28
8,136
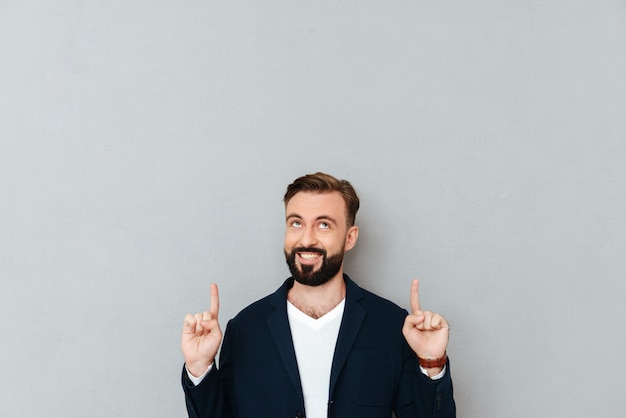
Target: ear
x,y
351,237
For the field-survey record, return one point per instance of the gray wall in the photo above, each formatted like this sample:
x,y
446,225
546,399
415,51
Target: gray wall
x,y
145,147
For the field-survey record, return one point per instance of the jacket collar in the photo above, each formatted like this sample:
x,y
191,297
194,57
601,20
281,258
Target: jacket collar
x,y
278,323
353,317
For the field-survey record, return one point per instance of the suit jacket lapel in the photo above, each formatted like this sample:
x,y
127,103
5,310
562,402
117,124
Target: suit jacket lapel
x,y
278,324
353,317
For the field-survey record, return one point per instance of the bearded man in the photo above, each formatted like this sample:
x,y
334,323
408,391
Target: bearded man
x,y
320,346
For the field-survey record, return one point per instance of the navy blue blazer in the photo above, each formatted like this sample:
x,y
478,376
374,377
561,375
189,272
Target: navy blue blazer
x,y
374,371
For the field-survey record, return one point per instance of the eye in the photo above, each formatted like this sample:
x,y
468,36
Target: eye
x,y
296,224
324,225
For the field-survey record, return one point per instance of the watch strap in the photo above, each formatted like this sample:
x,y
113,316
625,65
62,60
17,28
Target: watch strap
x,y
429,363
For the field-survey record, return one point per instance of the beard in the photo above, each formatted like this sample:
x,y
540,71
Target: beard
x,y
306,275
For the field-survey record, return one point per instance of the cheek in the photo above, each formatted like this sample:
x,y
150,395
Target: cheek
x,y
290,239
332,244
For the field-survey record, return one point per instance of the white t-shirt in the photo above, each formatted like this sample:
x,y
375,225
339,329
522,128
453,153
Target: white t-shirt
x,y
314,342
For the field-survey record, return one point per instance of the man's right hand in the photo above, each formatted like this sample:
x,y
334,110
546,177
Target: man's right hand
x,y
202,337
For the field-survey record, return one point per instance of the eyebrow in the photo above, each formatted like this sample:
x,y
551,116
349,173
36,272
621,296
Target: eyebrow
x,y
319,218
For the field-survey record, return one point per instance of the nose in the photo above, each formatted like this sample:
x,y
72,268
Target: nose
x,y
308,238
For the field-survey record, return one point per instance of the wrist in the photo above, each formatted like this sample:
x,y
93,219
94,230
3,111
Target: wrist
x,y
198,369
433,371
435,364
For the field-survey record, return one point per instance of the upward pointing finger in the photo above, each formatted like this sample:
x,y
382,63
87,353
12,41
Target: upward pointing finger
x,y
215,301
415,297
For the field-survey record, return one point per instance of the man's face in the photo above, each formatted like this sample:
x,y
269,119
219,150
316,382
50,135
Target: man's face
x,y
316,236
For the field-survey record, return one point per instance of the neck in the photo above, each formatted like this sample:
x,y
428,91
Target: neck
x,y
317,301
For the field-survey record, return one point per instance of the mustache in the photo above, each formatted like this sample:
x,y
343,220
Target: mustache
x,y
308,250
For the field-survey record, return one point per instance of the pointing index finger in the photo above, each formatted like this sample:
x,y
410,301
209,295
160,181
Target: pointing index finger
x,y
415,298
215,301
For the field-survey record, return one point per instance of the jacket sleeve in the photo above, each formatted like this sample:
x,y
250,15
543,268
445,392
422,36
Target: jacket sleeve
x,y
421,397
205,400
209,399
434,398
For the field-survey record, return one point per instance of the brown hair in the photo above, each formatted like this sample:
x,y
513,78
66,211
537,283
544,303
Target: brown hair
x,y
325,183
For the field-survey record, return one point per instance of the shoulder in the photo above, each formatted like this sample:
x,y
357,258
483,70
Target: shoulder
x,y
260,309
372,302
379,320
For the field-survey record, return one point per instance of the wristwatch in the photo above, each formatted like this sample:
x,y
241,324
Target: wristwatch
x,y
429,363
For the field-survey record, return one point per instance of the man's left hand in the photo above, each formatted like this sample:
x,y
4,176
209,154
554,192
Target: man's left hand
x,y
426,332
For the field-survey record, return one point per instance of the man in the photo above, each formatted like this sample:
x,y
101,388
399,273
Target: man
x,y
320,346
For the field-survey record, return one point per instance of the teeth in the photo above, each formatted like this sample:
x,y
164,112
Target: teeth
x,y
309,256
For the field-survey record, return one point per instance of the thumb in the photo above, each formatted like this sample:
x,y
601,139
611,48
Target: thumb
x,y
414,320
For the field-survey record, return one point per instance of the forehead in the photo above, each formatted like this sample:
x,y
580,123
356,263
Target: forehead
x,y
314,205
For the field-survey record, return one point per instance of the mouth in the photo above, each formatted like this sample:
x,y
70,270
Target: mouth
x,y
308,256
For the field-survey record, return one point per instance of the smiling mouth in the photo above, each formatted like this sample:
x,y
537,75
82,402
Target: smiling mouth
x,y
309,256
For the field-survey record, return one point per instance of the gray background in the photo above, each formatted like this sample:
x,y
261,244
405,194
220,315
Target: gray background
x,y
146,145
